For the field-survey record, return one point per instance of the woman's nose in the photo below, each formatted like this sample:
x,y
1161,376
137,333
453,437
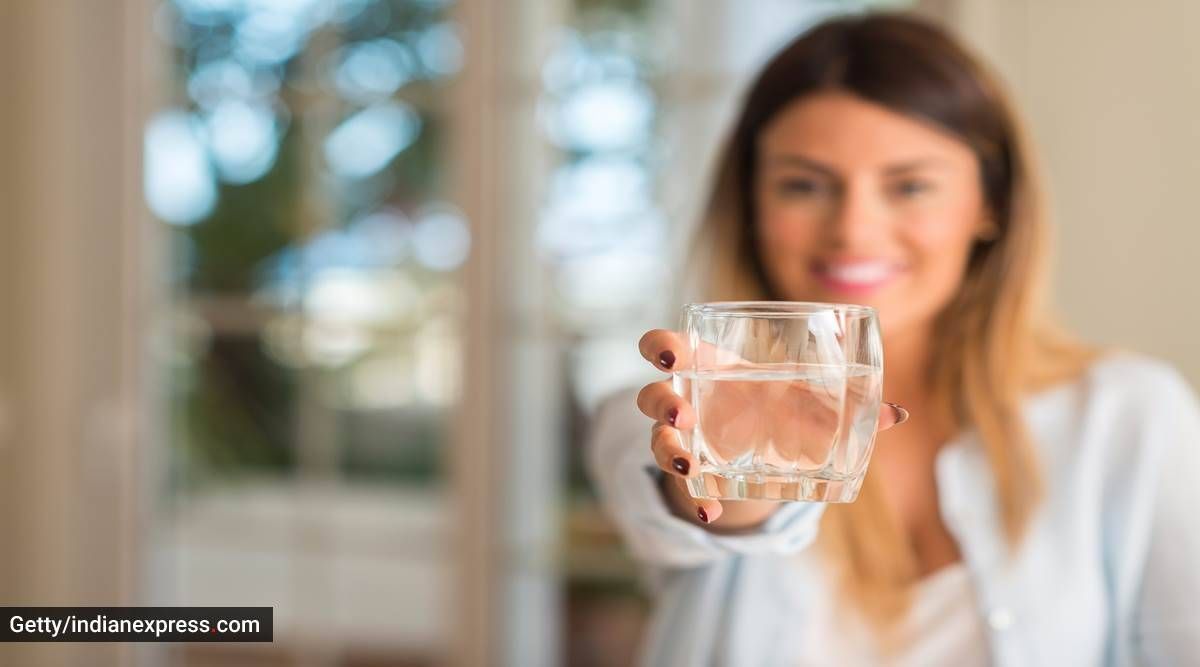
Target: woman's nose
x,y
858,219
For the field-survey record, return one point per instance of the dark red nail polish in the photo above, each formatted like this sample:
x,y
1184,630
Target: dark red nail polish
x,y
702,514
667,359
672,415
680,465
901,413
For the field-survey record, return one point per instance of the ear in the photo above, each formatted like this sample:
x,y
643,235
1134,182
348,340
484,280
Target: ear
x,y
987,230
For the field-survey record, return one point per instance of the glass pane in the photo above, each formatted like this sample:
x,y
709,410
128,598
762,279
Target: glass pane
x,y
601,234
232,412
311,340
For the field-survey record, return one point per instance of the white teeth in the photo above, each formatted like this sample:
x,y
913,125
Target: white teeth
x,y
864,272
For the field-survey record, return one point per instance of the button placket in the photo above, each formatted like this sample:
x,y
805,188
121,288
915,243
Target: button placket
x,y
1001,618
968,508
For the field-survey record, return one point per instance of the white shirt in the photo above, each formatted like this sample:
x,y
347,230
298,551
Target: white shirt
x,y
1109,573
942,627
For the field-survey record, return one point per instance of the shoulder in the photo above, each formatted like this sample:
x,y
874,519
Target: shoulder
x,y
1120,387
1144,401
1125,412
1136,383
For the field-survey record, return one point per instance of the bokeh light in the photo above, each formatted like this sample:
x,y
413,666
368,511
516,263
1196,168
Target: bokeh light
x,y
179,183
373,70
242,140
367,141
441,239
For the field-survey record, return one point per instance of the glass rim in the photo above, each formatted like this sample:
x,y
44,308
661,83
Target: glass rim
x,y
775,309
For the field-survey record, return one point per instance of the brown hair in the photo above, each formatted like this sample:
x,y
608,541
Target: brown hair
x,y
995,343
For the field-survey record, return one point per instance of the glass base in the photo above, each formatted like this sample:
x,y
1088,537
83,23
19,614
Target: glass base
x,y
810,487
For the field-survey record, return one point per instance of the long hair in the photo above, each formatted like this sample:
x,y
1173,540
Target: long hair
x,y
995,340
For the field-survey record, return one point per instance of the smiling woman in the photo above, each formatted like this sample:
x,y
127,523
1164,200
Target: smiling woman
x,y
875,161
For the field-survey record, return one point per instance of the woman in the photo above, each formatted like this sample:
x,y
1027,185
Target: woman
x,y
1033,510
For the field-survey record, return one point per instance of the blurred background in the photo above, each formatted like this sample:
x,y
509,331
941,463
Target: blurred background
x,y
306,303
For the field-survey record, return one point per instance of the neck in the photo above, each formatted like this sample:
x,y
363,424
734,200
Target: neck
x,y
907,357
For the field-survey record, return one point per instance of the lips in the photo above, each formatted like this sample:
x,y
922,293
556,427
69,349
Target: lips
x,y
856,276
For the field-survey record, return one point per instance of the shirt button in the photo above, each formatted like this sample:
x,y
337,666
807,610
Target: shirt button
x,y
1000,619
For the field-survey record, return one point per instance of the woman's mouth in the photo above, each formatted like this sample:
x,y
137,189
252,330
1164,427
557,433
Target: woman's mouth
x,y
857,277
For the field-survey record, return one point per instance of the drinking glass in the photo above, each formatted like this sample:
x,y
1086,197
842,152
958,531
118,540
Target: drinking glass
x,y
786,396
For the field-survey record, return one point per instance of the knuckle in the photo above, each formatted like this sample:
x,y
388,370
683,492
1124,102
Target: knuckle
x,y
648,341
660,437
648,397
656,430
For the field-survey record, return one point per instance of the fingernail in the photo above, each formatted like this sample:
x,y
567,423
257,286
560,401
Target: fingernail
x,y
667,359
901,413
680,465
702,514
672,415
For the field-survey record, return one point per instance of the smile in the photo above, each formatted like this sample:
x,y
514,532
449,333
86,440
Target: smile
x,y
856,277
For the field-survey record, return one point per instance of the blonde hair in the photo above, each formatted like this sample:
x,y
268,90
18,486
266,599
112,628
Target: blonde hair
x,y
996,342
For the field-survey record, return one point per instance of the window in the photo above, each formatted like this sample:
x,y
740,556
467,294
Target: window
x,y
311,346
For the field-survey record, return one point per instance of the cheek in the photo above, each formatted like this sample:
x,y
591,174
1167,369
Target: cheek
x,y
785,231
940,243
786,239
788,226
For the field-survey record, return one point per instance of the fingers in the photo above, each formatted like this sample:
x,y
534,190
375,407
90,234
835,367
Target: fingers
x,y
668,454
891,415
679,466
659,402
665,349
707,511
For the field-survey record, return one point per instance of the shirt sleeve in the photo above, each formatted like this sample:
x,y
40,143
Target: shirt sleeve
x,y
1167,619
623,471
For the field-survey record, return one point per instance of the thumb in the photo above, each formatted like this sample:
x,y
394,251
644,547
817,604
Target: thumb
x,y
892,415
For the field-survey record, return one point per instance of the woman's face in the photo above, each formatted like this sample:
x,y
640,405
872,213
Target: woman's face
x,y
859,204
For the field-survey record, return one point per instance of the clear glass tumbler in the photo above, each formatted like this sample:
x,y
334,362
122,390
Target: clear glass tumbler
x,y
786,396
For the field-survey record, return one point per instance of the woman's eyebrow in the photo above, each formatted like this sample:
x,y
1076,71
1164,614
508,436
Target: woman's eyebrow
x,y
913,165
796,160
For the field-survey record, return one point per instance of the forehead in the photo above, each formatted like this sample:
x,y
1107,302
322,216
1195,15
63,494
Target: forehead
x,y
844,130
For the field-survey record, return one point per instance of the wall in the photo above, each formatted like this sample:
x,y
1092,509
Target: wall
x,y
69,372
1111,91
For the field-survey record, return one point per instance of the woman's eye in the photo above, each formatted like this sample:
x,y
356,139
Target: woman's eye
x,y
800,186
911,188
